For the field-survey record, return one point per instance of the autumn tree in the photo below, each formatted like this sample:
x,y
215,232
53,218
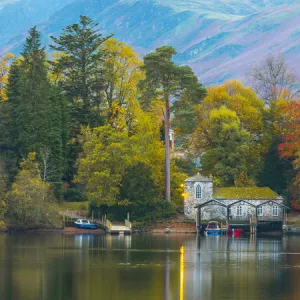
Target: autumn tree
x,y
5,62
273,79
245,112
122,74
290,146
276,172
167,81
30,201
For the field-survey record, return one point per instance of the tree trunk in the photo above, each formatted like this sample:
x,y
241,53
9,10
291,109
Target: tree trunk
x,y
167,151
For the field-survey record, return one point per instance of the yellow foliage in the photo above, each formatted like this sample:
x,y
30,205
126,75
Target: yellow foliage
x,y
231,101
236,97
122,70
4,69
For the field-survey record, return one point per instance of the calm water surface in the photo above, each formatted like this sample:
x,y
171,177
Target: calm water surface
x,y
87,267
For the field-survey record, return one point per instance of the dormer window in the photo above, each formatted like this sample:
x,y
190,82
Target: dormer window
x,y
198,192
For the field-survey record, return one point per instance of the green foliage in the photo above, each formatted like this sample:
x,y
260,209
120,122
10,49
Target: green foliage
x,y
74,206
37,111
106,154
74,194
165,81
154,210
186,165
80,66
8,126
138,186
30,201
229,154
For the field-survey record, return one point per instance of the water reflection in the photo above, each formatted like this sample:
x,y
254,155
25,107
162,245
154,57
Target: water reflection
x,y
223,268
169,267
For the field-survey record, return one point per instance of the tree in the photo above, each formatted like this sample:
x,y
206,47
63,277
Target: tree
x,y
9,148
276,173
272,79
290,146
138,185
81,67
36,112
4,69
245,111
3,190
78,69
122,74
30,201
101,166
3,180
229,155
166,81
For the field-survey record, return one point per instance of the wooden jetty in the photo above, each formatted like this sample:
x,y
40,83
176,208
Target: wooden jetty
x,y
117,228
110,227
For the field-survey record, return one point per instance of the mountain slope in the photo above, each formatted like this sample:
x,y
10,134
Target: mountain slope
x,y
218,38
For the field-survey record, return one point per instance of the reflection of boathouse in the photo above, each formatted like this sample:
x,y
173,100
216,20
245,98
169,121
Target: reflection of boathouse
x,y
231,203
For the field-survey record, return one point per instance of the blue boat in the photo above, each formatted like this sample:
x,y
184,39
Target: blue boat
x,y
213,228
85,224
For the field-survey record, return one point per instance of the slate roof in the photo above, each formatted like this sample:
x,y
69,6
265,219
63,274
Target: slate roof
x,y
199,178
249,193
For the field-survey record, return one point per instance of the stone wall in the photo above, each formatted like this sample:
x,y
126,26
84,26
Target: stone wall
x,y
190,202
216,212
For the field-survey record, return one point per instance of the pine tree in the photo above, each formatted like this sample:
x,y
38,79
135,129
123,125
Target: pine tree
x,y
9,149
37,110
81,66
167,81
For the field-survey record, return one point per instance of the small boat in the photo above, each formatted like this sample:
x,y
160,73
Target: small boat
x,y
85,224
213,228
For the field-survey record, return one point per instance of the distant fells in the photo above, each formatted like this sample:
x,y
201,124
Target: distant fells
x,y
219,39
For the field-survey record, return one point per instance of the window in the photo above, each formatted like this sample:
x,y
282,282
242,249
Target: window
x,y
198,192
239,211
229,212
260,211
275,211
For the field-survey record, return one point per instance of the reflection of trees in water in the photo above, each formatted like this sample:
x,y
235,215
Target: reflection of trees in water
x,y
226,268
168,267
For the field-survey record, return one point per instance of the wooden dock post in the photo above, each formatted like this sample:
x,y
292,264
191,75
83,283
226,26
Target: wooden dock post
x,y
198,220
253,226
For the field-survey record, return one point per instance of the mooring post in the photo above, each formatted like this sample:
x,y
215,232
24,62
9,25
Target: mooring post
x,y
198,220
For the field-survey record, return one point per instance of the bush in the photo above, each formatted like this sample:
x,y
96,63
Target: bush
x,y
144,212
155,210
74,195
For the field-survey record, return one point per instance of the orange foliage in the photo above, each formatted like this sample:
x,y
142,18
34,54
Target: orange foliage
x,y
290,129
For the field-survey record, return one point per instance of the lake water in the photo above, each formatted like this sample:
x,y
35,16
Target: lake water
x,y
88,267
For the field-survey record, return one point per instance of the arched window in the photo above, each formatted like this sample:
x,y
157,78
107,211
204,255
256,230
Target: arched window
x,y
198,192
260,211
239,211
275,211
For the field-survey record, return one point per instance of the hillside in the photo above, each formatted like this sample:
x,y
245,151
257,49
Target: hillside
x,y
219,39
